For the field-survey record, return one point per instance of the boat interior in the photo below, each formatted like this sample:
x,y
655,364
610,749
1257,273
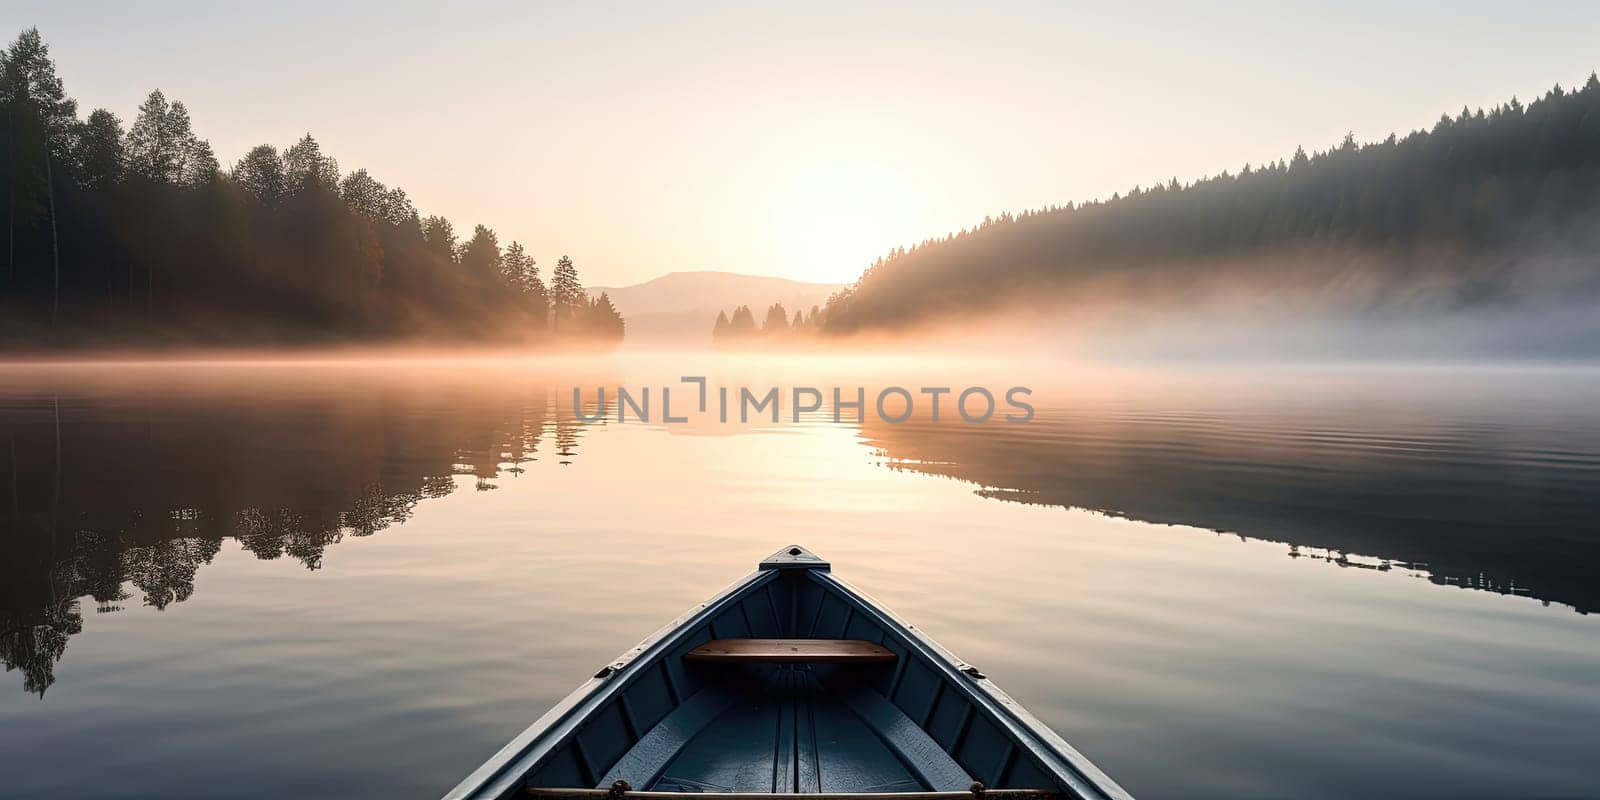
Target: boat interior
x,y
793,684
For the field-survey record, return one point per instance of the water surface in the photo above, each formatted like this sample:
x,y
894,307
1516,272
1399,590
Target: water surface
x,y
351,579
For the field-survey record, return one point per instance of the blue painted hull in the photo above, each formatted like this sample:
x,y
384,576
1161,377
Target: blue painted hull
x,y
925,722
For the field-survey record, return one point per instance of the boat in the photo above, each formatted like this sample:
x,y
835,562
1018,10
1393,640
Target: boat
x,y
790,683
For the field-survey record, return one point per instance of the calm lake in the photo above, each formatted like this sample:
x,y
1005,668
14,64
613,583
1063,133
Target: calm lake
x,y
360,578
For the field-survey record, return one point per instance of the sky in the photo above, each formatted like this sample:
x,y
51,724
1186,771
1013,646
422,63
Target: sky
x,y
798,140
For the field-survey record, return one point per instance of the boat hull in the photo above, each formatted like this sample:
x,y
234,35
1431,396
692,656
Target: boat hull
x,y
924,722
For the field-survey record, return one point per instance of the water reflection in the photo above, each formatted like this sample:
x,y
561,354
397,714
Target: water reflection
x,y
133,477
122,483
1485,481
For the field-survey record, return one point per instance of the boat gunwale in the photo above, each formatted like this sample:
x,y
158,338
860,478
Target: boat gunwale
x,y
1060,757
499,775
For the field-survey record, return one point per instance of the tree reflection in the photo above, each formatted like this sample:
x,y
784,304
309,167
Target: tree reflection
x,y
1508,508
126,487
33,647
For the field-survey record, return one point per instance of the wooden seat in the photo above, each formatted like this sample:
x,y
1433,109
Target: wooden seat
x,y
791,651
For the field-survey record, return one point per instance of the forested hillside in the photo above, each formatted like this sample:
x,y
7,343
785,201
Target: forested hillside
x,y
1496,208
136,234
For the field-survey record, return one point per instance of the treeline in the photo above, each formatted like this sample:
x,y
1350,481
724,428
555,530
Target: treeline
x,y
1486,208
741,330
137,235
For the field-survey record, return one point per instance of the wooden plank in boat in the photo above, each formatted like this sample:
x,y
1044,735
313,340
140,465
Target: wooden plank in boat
x,y
792,651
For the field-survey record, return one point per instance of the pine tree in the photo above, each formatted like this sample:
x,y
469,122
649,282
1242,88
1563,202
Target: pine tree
x,y
743,323
482,261
566,293
514,265
522,272
777,321
605,322
719,329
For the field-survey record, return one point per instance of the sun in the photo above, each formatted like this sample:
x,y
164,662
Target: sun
x,y
842,217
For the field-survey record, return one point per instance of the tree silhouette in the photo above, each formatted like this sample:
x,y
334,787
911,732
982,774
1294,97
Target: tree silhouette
x,y
482,262
260,173
161,146
137,238
566,293
776,330
605,323
522,273
38,112
98,150
305,168
719,329
365,195
1477,205
382,442
777,321
441,237
742,324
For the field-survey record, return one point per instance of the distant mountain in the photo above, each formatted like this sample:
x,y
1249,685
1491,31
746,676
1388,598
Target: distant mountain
x,y
679,307
698,291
